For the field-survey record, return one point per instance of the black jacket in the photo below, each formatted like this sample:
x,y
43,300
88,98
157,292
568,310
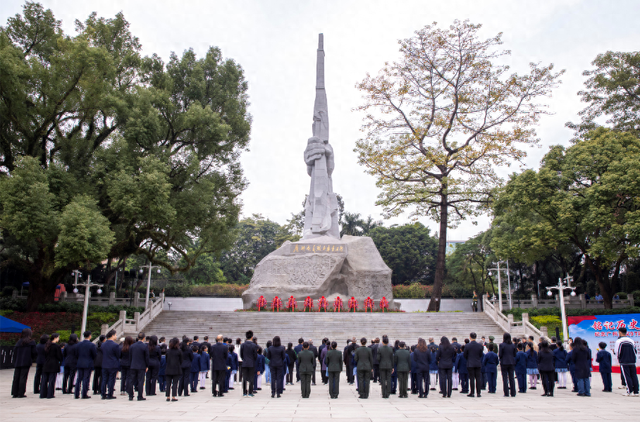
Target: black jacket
x,y
314,349
546,361
97,362
70,356
40,353
154,357
422,360
86,353
276,356
174,362
507,354
125,357
110,355
581,358
292,356
25,353
374,352
218,353
53,359
248,354
473,354
139,355
445,357
187,358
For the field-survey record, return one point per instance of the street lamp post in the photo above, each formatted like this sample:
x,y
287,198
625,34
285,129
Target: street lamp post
x,y
146,301
87,294
563,284
497,269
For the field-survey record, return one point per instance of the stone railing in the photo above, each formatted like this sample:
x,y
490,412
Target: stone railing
x,y
136,300
497,316
126,325
515,328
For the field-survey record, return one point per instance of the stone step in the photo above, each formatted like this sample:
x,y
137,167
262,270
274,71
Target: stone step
x,y
317,325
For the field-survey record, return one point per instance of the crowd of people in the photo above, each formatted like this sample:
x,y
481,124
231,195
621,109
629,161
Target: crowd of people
x,y
180,367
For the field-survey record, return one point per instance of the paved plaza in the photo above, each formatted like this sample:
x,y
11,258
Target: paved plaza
x,y
565,406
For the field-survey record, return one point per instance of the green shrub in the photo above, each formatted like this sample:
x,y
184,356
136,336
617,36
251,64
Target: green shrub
x,y
517,312
7,291
64,335
8,303
177,290
550,321
5,312
218,290
636,295
622,295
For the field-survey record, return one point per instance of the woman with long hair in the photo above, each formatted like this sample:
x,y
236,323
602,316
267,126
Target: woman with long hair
x,y
70,365
51,368
37,381
507,354
125,364
422,358
154,366
292,362
546,368
97,365
560,362
187,359
581,356
173,370
532,365
24,353
445,356
276,355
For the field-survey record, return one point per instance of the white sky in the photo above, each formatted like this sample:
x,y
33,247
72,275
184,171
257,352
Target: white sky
x,y
275,42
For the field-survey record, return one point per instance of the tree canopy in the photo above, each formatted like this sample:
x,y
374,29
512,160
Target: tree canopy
x,y
128,154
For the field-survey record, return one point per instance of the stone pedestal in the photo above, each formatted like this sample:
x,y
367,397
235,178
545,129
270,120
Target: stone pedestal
x,y
322,266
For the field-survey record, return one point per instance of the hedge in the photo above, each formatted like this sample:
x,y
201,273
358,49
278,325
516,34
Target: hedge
x,y
207,290
420,291
517,312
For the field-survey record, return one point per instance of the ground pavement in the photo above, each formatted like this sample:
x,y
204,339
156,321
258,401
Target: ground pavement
x,y
565,407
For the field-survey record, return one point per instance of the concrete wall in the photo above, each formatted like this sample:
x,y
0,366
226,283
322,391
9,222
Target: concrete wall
x,y
231,304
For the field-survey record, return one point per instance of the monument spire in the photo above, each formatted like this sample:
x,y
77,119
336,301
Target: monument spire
x,y
320,110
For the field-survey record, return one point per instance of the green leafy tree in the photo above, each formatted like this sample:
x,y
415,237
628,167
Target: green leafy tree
x,y
155,146
612,90
440,120
409,250
587,195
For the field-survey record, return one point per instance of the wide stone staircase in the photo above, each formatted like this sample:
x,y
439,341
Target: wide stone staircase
x,y
407,327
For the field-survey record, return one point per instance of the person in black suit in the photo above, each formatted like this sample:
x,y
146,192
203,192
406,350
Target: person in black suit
x,y
473,354
139,363
25,353
154,366
218,353
51,368
39,363
187,358
86,352
422,357
507,354
546,366
334,366
376,364
276,356
195,342
97,366
364,364
249,356
110,364
313,349
298,349
173,371
70,364
346,356
445,355
125,364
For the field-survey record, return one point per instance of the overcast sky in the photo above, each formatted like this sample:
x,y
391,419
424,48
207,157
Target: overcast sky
x,y
275,42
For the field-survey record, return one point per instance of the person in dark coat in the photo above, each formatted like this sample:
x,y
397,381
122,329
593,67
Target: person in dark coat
x,y
603,357
97,367
139,352
298,349
24,353
581,356
385,357
306,358
314,349
249,356
292,362
51,368
187,358
376,364
507,354
473,354
39,363
110,364
276,355
490,362
86,352
422,357
173,370
70,364
547,368
364,364
154,366
402,361
463,372
333,362
445,356
521,368
125,363
218,353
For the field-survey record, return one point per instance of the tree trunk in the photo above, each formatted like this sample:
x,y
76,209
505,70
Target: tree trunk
x,y
436,296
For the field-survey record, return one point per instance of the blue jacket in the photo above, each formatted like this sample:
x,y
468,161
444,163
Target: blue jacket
x,y
195,363
163,365
260,364
490,361
205,363
532,359
604,359
521,362
40,352
433,363
461,364
233,357
86,352
414,365
423,360
110,355
139,353
560,358
572,364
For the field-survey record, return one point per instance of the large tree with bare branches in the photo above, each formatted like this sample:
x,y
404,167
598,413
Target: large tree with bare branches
x,y
441,119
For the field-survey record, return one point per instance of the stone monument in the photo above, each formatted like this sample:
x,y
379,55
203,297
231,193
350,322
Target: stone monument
x,y
321,264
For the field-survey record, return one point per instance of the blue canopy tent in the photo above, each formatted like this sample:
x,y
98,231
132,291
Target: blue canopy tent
x,y
9,326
